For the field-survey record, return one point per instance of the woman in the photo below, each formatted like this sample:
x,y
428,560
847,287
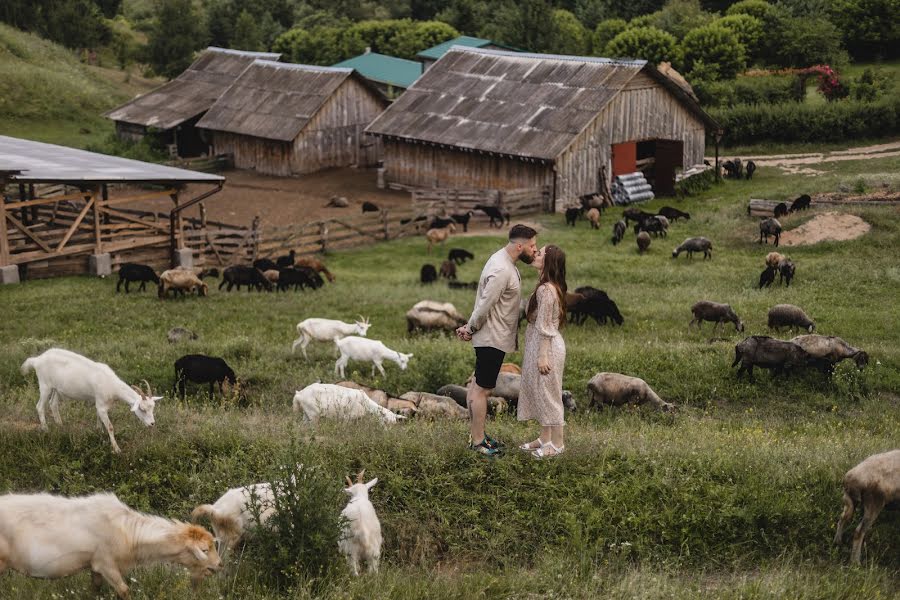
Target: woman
x,y
540,396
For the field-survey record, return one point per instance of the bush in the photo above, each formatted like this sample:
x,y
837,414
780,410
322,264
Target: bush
x,y
569,35
149,149
696,184
678,17
760,9
773,89
648,43
713,45
870,28
871,85
805,41
748,29
604,34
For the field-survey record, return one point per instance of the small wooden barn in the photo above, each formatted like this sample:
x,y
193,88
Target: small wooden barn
x,y
289,119
173,109
489,119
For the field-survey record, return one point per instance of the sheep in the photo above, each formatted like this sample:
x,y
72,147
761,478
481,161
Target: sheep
x,y
176,334
338,202
592,200
129,272
615,389
434,406
286,260
673,214
200,368
428,274
767,277
654,224
495,214
370,207
618,231
801,203
643,241
265,264
635,214
316,265
441,222
738,169
439,236
239,275
786,270
729,168
596,304
767,227
327,330
272,275
428,315
751,168
788,315
780,210
448,269
361,539
362,349
299,278
509,384
180,281
694,244
773,259
459,256
379,397
827,351
234,513
704,310
47,536
64,374
873,484
768,353
593,215
572,214
459,394
463,219
324,400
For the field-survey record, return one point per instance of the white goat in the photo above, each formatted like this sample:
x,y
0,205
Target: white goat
x,y
367,350
65,374
361,539
319,400
327,330
51,536
232,514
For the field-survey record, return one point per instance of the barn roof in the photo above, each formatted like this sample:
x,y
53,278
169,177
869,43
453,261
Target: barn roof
x,y
191,93
435,52
385,69
275,101
509,103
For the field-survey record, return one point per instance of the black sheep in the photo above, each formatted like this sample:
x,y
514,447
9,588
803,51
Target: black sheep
x,y
781,209
440,222
767,277
751,168
786,272
462,285
597,305
801,203
459,256
572,215
428,274
299,278
199,368
129,272
728,167
286,260
635,214
463,219
673,214
239,275
370,207
264,264
738,169
448,269
495,213
618,232
653,226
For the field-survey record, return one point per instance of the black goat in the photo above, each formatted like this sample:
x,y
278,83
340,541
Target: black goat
x,y
572,215
738,169
239,275
264,264
370,207
199,368
673,214
751,168
428,274
635,214
728,167
462,285
407,221
653,226
463,219
786,271
618,232
459,256
801,203
495,213
129,272
286,260
440,222
299,278
597,305
781,209
767,277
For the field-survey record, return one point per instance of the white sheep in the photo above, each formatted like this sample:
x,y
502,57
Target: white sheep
x,y
428,315
326,330
361,540
68,375
232,514
367,350
320,400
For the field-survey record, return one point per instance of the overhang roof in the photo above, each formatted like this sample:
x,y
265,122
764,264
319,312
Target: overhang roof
x,y
381,68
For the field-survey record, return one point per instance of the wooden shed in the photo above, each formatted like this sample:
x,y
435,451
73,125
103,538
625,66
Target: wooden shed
x,y
288,119
490,119
173,109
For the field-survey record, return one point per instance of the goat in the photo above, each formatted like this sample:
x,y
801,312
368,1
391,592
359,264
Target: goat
x,y
704,310
361,539
286,260
234,513
370,207
615,389
129,272
448,269
176,334
379,397
618,231
441,222
780,210
324,400
593,216
572,214
428,274
326,330
801,203
462,285
788,315
265,264
873,484
180,281
64,374
768,353
463,219
199,368
767,277
459,256
316,265
827,351
47,536
239,275
495,214
439,236
786,270
635,214
767,227
362,349
643,241
299,278
694,244
428,315
751,168
673,214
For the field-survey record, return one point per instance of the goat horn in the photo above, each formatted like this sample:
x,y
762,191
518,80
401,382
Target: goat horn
x,y
137,389
359,477
349,481
147,385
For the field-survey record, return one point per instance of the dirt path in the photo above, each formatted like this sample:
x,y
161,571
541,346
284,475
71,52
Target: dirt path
x,y
826,227
799,164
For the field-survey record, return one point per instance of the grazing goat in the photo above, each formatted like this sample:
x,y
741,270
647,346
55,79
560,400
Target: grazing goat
x,y
299,278
49,537
704,310
781,209
361,539
828,351
767,277
326,330
234,513
177,334
286,260
656,225
199,368
873,484
643,241
593,216
324,400
694,244
788,315
618,231
615,389
596,304
459,256
439,236
673,214
428,315
801,203
462,285
448,269
265,264
428,274
572,214
180,281
239,275
64,374
370,207
495,214
768,353
316,265
751,169
786,270
129,272
463,219
362,349
635,214
767,227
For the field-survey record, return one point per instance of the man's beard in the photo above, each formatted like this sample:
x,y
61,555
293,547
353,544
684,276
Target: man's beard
x,y
526,258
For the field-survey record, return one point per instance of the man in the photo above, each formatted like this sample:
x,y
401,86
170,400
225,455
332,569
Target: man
x,y
494,326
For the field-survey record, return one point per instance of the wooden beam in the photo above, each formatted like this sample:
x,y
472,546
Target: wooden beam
x,y
98,242
133,219
4,241
149,196
24,229
75,225
48,200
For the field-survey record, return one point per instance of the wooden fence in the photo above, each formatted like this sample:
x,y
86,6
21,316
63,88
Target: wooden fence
x,y
518,202
766,208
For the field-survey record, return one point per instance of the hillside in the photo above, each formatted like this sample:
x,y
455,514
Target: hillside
x,y
47,94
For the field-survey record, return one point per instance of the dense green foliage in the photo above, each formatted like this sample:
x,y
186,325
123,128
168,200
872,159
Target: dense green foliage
x,y
716,47
747,29
648,43
605,32
772,89
175,35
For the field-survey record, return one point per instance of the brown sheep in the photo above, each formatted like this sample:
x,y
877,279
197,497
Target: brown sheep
x,y
773,259
271,275
448,269
439,236
643,241
316,265
181,280
615,389
593,215
510,368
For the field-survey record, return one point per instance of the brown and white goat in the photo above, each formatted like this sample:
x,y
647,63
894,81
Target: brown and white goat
x,y
439,236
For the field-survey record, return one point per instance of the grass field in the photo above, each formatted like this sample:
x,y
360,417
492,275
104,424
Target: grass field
x,y
734,496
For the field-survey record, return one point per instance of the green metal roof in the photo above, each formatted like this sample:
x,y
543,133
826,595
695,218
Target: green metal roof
x,y
381,68
435,52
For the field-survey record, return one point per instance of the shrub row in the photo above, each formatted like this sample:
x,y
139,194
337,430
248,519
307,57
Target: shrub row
x,y
748,90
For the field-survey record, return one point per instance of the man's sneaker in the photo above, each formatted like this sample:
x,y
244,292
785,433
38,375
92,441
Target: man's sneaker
x,y
489,442
484,449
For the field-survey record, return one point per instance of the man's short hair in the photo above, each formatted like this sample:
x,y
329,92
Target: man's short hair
x,y
521,232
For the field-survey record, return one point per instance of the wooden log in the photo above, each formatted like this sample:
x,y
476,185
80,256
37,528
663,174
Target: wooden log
x,y
24,229
4,239
75,224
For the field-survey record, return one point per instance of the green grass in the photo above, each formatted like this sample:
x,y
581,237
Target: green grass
x,y
734,496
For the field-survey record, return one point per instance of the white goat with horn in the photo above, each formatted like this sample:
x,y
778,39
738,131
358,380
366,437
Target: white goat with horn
x,y
361,539
327,330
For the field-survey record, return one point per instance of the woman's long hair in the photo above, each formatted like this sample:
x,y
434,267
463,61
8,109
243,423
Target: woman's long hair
x,y
554,273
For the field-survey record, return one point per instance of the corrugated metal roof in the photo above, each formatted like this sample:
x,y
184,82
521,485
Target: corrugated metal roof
x,y
390,70
191,93
435,52
40,162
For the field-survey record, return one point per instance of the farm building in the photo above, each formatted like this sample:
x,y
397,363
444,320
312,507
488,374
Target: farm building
x,y
430,55
287,119
489,119
173,109
389,74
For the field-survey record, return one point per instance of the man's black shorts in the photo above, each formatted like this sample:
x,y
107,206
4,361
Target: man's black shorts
x,y
487,366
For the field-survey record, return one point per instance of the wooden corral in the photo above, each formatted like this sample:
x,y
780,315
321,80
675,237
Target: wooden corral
x,y
484,118
287,119
766,208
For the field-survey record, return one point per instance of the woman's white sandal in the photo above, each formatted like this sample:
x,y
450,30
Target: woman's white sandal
x,y
527,446
539,453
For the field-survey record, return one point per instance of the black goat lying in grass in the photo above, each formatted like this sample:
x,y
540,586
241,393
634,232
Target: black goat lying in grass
x,y
199,368
129,272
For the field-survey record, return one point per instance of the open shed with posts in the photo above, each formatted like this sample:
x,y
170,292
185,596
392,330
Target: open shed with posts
x,y
290,119
494,120
65,211
172,110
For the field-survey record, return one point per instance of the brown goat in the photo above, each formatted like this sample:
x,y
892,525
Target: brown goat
x,y
316,265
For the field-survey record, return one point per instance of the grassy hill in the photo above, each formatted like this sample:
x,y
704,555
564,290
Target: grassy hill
x,y
47,94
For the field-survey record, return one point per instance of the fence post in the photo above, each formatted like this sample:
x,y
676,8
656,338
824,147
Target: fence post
x,y
384,222
323,237
255,234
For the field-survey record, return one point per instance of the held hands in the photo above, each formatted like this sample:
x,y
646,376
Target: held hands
x,y
544,365
463,334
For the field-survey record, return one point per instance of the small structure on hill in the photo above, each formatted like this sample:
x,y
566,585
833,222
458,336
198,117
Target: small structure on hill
x,y
389,74
431,55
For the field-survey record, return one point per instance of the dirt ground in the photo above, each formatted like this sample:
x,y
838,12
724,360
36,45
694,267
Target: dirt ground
x,y
829,226
800,163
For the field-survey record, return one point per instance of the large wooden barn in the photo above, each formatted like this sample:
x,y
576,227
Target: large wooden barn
x,y
173,109
288,119
489,119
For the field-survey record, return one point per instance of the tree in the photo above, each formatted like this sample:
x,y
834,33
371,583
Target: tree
x,y
760,9
871,28
680,16
714,46
749,32
246,33
604,34
591,12
568,34
465,16
802,42
525,24
647,43
176,33
419,36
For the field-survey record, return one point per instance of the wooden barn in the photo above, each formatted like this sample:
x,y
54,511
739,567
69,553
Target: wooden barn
x,y
288,119
489,119
173,109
